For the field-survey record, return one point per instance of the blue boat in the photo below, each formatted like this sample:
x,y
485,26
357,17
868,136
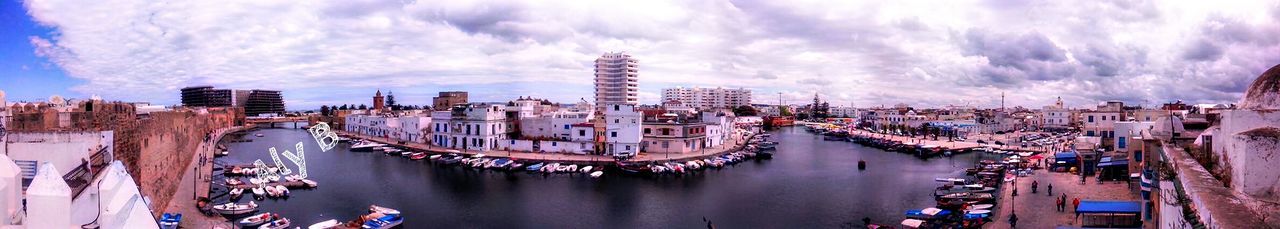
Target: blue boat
x,y
927,213
170,221
534,167
387,221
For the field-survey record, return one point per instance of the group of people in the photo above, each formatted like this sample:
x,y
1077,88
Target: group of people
x,y
1061,201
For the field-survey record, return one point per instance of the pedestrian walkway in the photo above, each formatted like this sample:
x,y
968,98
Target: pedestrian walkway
x,y
196,183
1038,210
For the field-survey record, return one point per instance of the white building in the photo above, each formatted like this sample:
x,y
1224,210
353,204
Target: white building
x,y
110,198
622,130
1247,139
844,112
720,126
708,98
1056,117
616,79
553,125
1129,136
470,127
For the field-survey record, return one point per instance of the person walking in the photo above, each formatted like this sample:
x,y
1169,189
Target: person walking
x,y
1075,206
1061,204
1013,219
1034,185
1050,186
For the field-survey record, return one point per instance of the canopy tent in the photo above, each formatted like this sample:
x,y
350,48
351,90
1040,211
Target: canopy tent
x,y
1101,206
1110,213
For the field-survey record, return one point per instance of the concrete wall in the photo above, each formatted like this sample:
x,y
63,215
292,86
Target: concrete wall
x,y
546,146
65,150
1252,159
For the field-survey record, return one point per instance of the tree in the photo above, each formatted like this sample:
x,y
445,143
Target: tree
x,y
784,111
344,107
744,110
391,100
324,110
363,107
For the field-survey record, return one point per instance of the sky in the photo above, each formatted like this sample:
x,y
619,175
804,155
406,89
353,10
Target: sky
x,y
850,53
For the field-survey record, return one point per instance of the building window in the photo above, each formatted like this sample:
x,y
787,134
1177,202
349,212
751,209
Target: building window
x,y
666,144
582,133
647,131
613,134
1088,133
1121,142
1091,118
566,127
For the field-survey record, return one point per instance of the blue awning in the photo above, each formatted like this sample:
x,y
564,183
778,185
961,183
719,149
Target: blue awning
x,y
1065,155
1123,162
1094,206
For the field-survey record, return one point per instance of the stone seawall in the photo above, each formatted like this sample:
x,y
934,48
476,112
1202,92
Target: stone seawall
x,y
161,146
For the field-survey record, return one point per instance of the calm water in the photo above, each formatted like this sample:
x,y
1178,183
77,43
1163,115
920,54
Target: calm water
x,y
810,183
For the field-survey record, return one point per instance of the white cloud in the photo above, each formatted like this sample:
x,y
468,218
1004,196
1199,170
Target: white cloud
x,y
331,52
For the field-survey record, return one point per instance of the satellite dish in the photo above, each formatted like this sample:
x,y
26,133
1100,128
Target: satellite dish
x,y
56,99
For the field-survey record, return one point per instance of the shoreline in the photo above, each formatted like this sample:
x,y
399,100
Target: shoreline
x,y
733,145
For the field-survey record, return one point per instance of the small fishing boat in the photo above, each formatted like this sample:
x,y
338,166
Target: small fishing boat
x,y
223,153
980,207
571,168
234,181
310,183
232,208
259,192
364,146
597,174
586,169
418,156
434,157
235,193
256,220
383,222
293,177
279,223
259,135
325,224
170,220
534,167
927,213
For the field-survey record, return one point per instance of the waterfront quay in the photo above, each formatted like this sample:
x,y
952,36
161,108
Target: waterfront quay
x,y
732,145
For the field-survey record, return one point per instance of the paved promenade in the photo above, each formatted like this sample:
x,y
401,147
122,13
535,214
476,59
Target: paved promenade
x,y
1038,210
196,183
731,145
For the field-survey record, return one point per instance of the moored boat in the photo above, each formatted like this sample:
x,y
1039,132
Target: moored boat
x,y
256,220
325,224
232,208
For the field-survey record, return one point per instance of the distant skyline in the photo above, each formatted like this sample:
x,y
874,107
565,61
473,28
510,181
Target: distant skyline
x,y
924,54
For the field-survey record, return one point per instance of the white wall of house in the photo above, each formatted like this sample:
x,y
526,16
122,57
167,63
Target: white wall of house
x,y
1251,157
622,129
65,150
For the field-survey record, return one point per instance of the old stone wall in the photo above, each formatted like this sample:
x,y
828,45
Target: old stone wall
x,y
163,145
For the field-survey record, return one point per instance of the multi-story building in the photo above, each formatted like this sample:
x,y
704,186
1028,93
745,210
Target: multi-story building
x,y
470,127
616,79
409,128
264,103
708,98
844,112
240,98
1101,122
553,125
1056,116
447,99
621,130
206,96
673,133
720,127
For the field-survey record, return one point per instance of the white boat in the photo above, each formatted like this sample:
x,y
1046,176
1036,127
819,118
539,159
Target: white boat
x,y
325,224
478,155
364,146
255,220
259,135
383,210
950,180
571,168
293,177
310,183
597,174
434,157
235,209
279,223
235,192
586,169
259,192
980,207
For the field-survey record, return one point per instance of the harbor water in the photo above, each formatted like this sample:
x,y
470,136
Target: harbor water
x,y
810,183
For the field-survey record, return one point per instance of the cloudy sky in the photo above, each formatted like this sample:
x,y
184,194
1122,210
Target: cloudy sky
x,y
864,53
